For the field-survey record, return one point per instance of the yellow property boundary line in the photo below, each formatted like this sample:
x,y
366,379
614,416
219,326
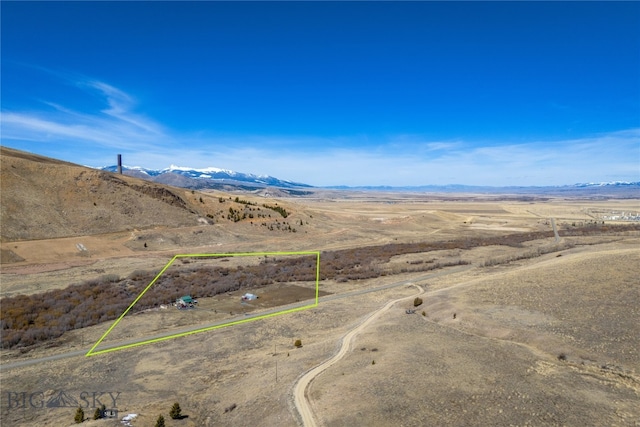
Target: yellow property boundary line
x,y
94,352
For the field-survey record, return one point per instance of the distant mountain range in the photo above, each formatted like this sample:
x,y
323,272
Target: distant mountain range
x,y
609,184
604,188
224,179
213,178
461,187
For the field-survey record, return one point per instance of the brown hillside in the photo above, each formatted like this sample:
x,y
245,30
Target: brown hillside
x,y
43,198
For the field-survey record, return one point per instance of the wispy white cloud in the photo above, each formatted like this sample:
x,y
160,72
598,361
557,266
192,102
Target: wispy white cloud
x,y
345,160
121,107
115,127
609,157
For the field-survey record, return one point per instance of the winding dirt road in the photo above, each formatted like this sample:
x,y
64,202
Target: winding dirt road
x,y
301,400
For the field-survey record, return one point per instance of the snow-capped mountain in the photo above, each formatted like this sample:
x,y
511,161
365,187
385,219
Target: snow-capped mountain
x,y
608,184
205,178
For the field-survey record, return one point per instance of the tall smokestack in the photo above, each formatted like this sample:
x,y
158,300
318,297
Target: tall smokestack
x,y
120,164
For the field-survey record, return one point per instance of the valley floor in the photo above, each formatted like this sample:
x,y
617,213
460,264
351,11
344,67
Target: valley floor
x,y
546,341
549,339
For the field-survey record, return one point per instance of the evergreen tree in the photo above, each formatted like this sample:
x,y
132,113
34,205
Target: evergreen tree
x,y
97,414
175,412
160,421
79,415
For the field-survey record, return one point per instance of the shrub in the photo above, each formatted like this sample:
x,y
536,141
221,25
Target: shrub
x,y
29,320
175,412
97,414
417,301
160,421
298,343
110,278
79,416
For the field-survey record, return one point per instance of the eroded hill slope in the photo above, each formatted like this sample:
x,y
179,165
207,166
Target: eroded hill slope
x,y
43,198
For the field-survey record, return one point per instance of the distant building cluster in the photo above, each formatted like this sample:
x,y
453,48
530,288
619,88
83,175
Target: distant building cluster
x,y
622,216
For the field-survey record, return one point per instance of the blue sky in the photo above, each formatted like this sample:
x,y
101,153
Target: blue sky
x,y
362,93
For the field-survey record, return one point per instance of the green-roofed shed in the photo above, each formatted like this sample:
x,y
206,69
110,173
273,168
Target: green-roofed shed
x,y
186,299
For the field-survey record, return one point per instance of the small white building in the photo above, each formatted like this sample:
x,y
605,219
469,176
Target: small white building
x,y
249,297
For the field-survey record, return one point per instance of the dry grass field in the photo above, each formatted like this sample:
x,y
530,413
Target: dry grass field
x,y
550,340
539,333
